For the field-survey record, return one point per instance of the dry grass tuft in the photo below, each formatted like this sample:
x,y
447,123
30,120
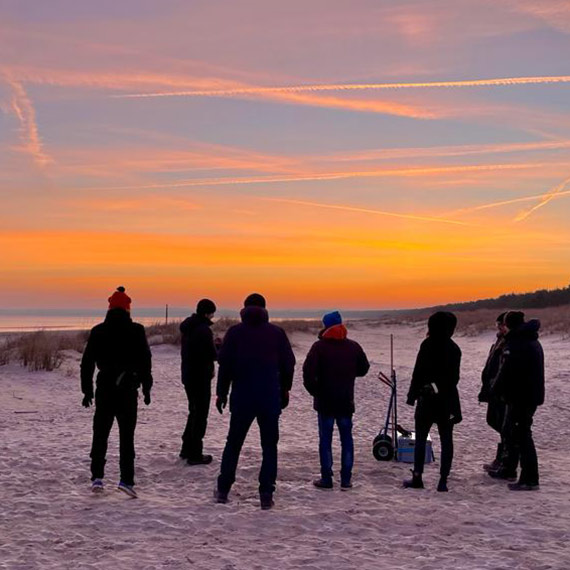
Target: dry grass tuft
x,y
554,320
41,350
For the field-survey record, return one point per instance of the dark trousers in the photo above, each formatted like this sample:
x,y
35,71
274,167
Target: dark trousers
x,y
111,404
326,427
445,429
199,396
240,422
519,442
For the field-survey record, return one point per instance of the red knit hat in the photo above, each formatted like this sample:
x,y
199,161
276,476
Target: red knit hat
x,y
120,300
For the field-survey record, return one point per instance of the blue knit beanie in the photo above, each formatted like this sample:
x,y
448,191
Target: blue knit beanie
x,y
331,319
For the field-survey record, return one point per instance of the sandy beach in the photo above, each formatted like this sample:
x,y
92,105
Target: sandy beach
x,y
50,519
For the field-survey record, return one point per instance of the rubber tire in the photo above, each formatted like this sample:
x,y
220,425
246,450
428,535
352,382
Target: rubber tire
x,y
382,437
383,450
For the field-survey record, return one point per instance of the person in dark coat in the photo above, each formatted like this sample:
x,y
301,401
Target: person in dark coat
x,y
198,352
329,372
119,349
520,382
434,388
257,361
496,405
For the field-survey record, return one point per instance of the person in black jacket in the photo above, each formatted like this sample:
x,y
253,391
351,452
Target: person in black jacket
x,y
329,372
119,349
496,405
257,361
198,352
434,388
520,382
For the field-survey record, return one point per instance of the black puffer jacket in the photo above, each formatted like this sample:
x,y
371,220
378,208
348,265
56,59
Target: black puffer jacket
x,y
521,375
197,350
257,361
329,372
491,368
116,346
438,362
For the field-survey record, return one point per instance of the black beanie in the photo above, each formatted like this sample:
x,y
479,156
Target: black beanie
x,y
205,307
501,318
254,300
514,319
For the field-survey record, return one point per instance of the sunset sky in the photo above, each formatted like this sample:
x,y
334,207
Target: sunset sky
x,y
351,154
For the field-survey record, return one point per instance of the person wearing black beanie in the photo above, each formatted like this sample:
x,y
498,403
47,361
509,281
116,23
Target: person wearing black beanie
x,y
257,363
198,352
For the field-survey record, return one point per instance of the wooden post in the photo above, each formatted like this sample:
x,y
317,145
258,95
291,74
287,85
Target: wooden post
x,y
166,313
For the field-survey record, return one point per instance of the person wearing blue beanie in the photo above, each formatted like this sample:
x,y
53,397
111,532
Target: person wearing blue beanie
x,y
329,372
332,319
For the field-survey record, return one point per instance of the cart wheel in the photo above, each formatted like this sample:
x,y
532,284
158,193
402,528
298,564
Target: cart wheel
x,y
382,437
383,450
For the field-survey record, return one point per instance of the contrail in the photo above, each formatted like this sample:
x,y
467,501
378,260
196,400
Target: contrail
x,y
507,202
545,198
23,109
324,176
496,82
367,211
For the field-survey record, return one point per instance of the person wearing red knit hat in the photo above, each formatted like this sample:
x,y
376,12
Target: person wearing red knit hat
x,y
120,300
119,349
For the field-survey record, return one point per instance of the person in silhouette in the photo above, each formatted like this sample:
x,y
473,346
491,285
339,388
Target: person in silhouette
x,y
198,352
257,362
329,372
434,389
119,349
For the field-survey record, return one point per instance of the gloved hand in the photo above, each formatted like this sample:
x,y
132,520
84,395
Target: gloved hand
x,y
284,400
87,401
221,403
146,398
456,419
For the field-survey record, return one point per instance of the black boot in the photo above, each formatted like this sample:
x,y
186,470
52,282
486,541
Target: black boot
x,y
199,460
442,485
415,482
266,501
497,463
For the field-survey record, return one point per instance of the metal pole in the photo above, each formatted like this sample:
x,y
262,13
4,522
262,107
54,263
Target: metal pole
x,y
393,374
166,313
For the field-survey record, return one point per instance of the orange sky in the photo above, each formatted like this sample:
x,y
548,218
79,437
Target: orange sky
x,y
380,156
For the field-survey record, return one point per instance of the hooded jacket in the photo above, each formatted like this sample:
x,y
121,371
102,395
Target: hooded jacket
x,y
330,369
520,379
119,349
438,363
257,361
197,350
491,367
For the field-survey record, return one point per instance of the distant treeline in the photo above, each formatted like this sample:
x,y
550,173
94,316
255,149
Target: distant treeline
x,y
535,300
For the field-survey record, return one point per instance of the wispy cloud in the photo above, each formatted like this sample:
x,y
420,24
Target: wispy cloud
x,y
496,82
561,193
22,108
545,199
386,172
376,212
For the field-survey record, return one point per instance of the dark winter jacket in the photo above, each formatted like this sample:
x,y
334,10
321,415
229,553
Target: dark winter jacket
x,y
256,359
330,370
198,350
491,368
119,349
438,363
521,375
